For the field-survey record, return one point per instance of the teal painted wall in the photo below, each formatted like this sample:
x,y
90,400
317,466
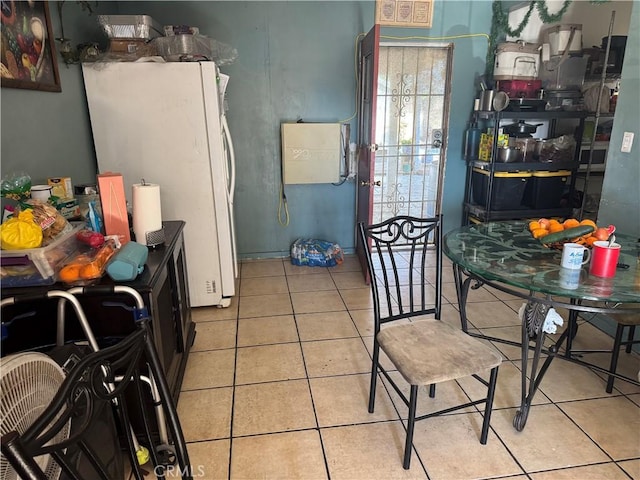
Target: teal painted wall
x,y
620,201
48,134
296,60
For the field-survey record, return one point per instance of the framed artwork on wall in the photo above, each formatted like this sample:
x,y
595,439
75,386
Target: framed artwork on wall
x,y
404,13
27,47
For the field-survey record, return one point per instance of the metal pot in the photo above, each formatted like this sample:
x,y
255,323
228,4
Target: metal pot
x,y
516,61
509,154
520,128
486,100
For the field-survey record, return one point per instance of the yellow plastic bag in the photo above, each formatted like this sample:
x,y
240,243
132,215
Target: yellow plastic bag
x,y
20,232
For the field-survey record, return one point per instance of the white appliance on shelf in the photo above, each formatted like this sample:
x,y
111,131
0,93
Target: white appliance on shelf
x,y
165,123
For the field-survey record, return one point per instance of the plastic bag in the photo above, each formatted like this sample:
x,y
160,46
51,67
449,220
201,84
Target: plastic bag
x,y
50,220
87,266
560,149
20,232
94,217
315,253
16,186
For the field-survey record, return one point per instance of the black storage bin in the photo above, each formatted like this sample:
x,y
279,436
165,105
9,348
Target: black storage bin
x,y
507,190
545,189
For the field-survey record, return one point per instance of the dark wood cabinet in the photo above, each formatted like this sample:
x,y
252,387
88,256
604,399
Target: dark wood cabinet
x,y
164,290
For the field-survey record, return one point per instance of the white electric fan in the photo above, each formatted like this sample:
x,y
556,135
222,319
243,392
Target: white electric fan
x,y
28,383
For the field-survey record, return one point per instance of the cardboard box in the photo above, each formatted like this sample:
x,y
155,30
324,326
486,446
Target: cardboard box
x,y
484,153
62,187
486,145
503,140
69,208
114,205
136,47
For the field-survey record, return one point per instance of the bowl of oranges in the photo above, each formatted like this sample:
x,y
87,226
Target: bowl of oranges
x,y
554,233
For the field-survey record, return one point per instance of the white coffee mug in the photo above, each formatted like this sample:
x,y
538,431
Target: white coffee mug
x,y
41,192
573,256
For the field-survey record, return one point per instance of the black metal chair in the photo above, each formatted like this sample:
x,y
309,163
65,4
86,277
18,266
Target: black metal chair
x,y
626,321
101,378
425,351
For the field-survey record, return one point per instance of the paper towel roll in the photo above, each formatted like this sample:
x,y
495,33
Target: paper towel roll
x,y
147,213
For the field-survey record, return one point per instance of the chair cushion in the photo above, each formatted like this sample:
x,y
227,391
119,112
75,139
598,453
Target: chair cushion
x,y
627,317
432,351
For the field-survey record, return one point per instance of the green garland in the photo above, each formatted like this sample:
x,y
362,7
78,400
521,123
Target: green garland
x,y
501,19
544,13
500,24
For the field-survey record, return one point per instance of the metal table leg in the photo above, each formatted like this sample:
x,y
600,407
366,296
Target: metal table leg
x,y
535,314
572,329
532,323
462,290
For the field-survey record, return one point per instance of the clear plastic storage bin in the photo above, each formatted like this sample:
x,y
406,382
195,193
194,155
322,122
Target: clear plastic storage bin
x,y
38,266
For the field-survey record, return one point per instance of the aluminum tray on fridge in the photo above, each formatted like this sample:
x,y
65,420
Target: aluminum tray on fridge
x,y
130,26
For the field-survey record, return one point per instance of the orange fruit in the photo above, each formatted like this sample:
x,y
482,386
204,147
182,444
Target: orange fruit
x,y
555,227
539,232
570,223
90,270
553,221
69,273
601,233
534,226
588,221
589,241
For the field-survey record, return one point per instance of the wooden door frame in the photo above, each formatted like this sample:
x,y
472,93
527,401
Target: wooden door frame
x,y
366,154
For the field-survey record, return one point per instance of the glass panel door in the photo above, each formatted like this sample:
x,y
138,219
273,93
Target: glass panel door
x,y
411,122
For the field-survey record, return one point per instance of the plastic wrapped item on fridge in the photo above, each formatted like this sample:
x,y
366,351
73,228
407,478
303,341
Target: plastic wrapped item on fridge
x,y
188,48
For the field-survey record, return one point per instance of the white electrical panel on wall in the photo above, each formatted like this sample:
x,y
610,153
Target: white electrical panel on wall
x,y
311,152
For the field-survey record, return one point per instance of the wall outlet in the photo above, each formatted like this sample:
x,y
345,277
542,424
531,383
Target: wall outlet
x,y
627,142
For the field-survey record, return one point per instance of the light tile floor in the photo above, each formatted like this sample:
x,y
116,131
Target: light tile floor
x,y
276,386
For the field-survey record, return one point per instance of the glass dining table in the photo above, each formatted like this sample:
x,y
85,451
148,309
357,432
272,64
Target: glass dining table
x,y
505,256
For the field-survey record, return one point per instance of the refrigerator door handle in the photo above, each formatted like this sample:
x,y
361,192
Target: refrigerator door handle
x,y
232,159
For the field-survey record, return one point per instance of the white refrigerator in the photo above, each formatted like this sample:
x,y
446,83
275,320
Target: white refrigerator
x,y
165,123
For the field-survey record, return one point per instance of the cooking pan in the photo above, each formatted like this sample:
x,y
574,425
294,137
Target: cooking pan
x,y
520,128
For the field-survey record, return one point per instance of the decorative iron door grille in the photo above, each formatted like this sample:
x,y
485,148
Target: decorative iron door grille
x,y
412,114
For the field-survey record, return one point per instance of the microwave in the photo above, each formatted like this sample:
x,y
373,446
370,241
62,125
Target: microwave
x,y
598,156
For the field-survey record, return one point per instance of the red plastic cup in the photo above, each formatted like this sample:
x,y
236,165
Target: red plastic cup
x,y
604,259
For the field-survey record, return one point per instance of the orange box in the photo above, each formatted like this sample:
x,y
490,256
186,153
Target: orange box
x,y
114,205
